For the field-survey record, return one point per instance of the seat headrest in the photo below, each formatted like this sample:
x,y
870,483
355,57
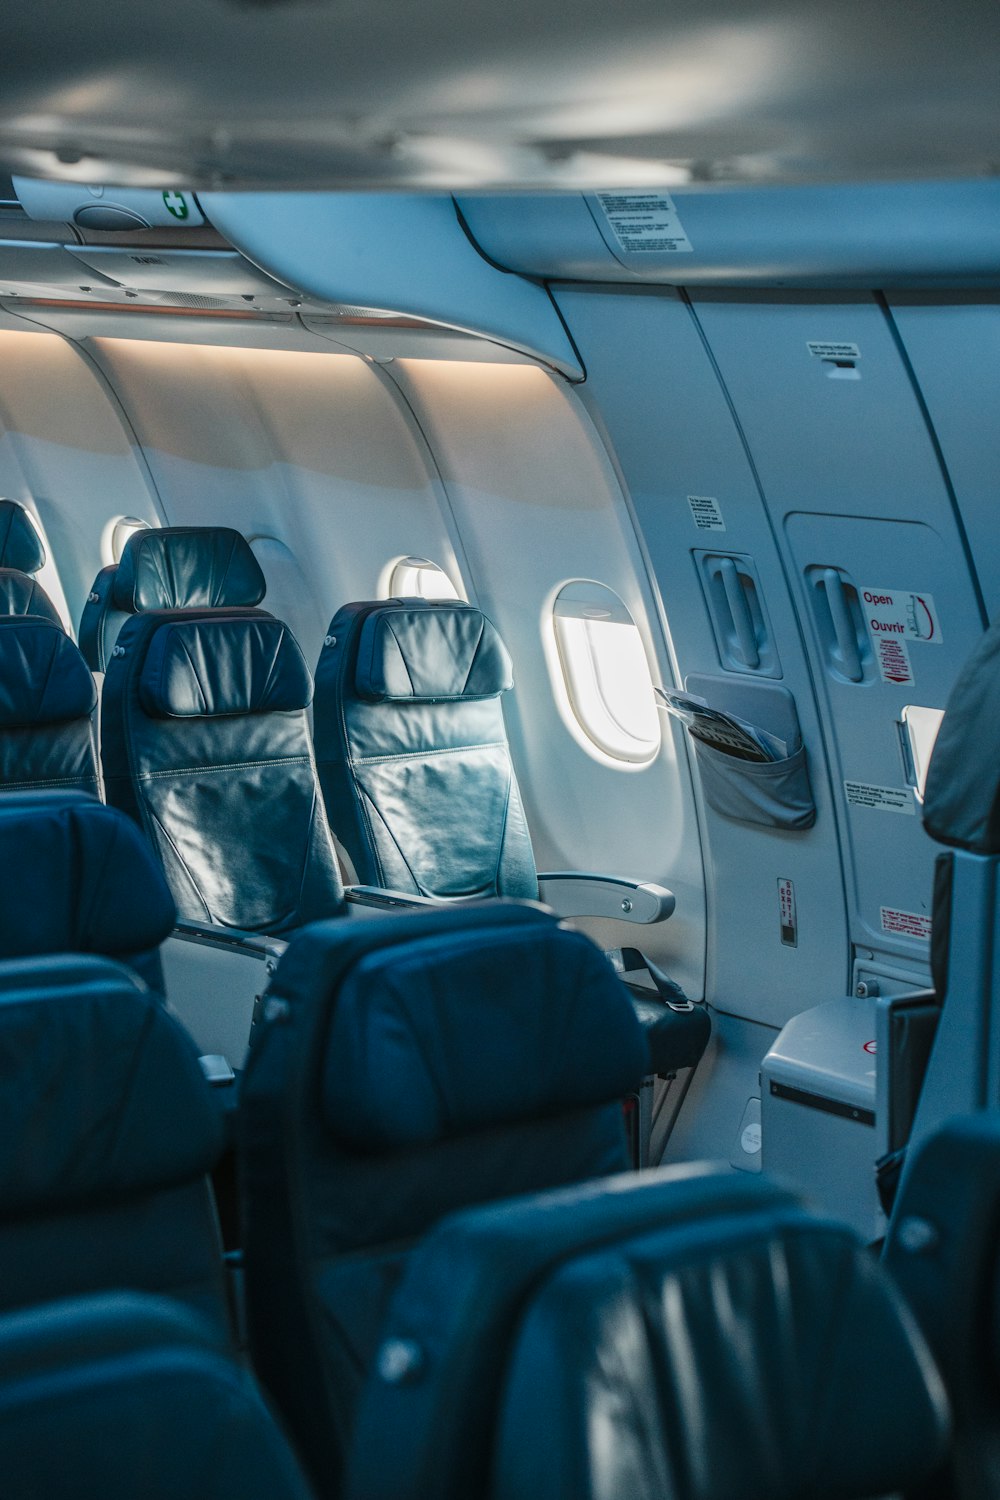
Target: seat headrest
x,y
82,879
208,668
470,1029
962,792
187,567
766,1357
20,545
23,595
43,677
430,652
102,1084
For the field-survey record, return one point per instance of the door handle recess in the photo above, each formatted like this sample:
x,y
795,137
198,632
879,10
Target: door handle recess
x,y
840,624
743,627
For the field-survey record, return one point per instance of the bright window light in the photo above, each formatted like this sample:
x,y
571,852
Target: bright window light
x,y
922,725
606,673
121,530
418,578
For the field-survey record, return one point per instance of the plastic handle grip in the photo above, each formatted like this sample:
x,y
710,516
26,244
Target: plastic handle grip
x,y
843,627
746,636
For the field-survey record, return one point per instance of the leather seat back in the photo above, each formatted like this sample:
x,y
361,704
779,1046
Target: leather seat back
x,y
127,1395
206,744
942,1248
47,705
169,567
763,1358
412,751
690,1334
21,555
408,1066
117,1128
86,882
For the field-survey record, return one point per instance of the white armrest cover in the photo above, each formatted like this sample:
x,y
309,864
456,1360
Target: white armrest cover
x,y
573,893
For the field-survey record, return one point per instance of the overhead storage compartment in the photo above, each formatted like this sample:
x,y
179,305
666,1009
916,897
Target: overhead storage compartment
x,y
872,235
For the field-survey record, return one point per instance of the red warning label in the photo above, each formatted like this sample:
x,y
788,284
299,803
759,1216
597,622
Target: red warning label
x,y
905,923
893,659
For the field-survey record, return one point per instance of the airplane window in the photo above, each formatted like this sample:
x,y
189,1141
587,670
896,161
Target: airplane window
x,y
418,578
119,533
605,672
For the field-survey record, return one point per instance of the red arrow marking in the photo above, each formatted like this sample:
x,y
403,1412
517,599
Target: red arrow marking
x,y
930,617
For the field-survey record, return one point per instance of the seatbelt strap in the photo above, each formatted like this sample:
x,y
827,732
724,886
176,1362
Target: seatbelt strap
x,y
667,989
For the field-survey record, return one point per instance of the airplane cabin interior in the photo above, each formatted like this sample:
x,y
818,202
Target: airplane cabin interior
x,y
498,752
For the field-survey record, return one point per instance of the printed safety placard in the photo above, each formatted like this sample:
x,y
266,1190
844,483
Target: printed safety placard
x,y
894,618
706,513
905,923
897,799
831,351
645,223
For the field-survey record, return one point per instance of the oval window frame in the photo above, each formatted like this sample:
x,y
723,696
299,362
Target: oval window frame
x,y
583,670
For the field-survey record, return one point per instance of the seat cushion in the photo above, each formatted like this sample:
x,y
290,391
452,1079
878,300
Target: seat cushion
x,y
122,1395
187,567
87,882
475,1030
210,668
21,594
769,1360
430,652
20,545
102,1087
43,677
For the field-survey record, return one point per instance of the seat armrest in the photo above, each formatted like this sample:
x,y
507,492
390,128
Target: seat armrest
x,y
230,937
381,896
572,893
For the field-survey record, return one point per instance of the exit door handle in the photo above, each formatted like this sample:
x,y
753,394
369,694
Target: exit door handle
x,y
739,609
852,666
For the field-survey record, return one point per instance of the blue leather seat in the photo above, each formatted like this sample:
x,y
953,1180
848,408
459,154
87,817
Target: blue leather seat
x,y
126,1396
942,1248
412,751
169,567
937,1049
206,745
406,1066
47,706
417,776
81,879
21,555
688,1334
110,1130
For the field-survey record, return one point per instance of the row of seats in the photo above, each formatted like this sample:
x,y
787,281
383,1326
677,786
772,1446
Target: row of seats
x,y
206,743
688,1333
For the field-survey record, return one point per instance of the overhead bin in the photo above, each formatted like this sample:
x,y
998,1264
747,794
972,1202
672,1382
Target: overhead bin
x,y
898,234
171,260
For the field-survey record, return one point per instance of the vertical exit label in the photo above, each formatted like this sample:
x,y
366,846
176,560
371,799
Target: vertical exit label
x,y
788,917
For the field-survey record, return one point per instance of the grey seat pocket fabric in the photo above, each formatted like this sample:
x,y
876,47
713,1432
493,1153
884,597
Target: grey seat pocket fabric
x,y
774,794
